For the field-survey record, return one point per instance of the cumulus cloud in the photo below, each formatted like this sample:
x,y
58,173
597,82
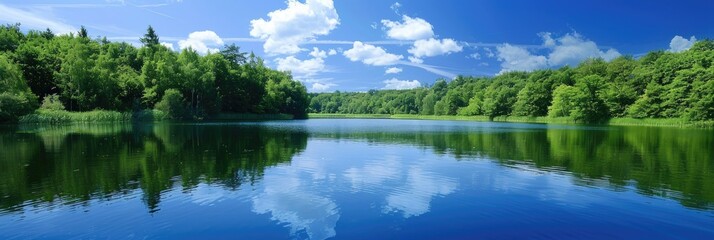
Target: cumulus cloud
x,y
202,41
299,22
433,47
168,45
317,53
400,84
570,49
548,40
371,55
33,20
321,87
514,58
573,48
332,52
393,70
301,68
680,44
416,60
408,29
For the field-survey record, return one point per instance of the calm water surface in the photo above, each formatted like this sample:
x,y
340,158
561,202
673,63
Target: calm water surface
x,y
355,179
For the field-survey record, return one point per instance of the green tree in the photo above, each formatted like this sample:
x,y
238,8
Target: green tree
x,y
150,38
564,98
16,99
172,104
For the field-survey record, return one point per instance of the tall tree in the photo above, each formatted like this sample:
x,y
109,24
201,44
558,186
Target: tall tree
x,y
150,38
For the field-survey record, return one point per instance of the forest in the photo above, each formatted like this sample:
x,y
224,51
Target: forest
x,y
42,71
657,85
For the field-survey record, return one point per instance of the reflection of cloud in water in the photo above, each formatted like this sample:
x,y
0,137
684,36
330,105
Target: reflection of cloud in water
x,y
288,201
373,174
205,194
414,198
526,180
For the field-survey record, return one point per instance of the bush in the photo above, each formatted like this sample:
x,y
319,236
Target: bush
x,y
172,104
52,102
12,106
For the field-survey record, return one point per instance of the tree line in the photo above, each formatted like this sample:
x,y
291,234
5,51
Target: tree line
x,y
40,69
659,84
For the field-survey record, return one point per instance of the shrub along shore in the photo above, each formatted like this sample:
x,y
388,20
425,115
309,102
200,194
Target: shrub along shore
x,y
103,116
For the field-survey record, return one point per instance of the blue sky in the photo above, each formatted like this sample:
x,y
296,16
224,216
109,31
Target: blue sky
x,y
351,45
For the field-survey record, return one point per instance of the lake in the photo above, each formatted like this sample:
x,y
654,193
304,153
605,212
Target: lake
x,y
355,179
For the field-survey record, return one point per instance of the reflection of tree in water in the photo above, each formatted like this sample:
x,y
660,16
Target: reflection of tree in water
x,y
80,163
667,162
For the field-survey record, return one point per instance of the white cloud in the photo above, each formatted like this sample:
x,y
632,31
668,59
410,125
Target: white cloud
x,y
286,199
572,49
395,7
430,68
489,52
299,22
371,55
548,41
33,20
515,58
317,53
400,84
476,56
408,29
168,45
416,60
393,70
332,52
301,68
202,41
415,197
321,87
680,44
433,47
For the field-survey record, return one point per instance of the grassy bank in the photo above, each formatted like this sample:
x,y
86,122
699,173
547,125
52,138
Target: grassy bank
x,y
669,122
61,116
103,116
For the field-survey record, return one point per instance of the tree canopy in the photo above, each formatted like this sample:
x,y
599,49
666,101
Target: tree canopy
x,y
84,74
657,85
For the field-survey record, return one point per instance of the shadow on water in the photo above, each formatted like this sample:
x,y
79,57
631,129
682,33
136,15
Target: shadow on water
x,y
70,164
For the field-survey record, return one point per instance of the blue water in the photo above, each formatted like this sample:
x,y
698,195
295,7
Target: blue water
x,y
355,179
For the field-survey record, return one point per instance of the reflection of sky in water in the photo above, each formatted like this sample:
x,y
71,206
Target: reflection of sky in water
x,y
323,190
287,196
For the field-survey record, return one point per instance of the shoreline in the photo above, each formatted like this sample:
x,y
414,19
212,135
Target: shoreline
x,y
651,122
104,116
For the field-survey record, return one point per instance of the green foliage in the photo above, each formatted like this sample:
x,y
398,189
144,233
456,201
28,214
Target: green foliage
x,y
52,102
658,85
589,106
91,74
16,99
10,37
13,105
173,104
564,98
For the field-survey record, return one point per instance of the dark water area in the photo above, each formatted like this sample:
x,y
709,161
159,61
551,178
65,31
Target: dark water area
x,y
355,179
